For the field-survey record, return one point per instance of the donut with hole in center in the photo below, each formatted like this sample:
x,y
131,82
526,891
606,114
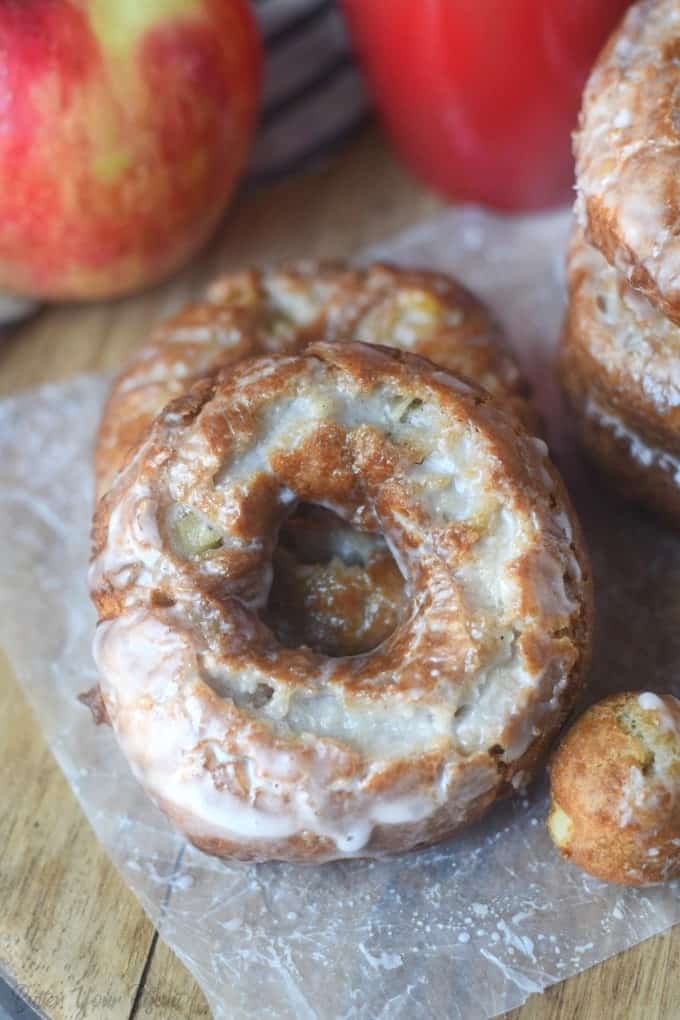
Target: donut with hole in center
x,y
261,751
348,596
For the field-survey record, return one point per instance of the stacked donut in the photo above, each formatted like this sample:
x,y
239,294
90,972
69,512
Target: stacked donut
x,y
282,310
615,778
332,590
621,340
343,600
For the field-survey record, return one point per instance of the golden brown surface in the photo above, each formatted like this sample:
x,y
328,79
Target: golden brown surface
x,y
628,152
615,790
333,591
344,607
341,606
620,367
496,578
281,311
361,197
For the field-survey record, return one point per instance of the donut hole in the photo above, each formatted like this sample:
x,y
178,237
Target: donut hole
x,y
335,589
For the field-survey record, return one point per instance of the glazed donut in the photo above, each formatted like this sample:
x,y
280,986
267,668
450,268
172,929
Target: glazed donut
x,y
345,600
628,152
620,367
260,751
615,790
281,311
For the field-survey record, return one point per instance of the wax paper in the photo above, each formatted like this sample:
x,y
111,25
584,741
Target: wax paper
x,y
464,930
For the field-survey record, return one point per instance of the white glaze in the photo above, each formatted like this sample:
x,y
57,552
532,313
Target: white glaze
x,y
283,760
653,703
627,152
645,455
658,788
624,332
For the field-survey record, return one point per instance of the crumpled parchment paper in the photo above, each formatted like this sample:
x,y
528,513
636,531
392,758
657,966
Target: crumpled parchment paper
x,y
465,930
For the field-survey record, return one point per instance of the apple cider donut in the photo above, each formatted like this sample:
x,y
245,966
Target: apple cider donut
x,y
281,311
628,152
344,601
615,785
620,365
261,751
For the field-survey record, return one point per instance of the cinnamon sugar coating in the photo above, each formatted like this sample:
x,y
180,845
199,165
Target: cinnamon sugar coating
x,y
615,790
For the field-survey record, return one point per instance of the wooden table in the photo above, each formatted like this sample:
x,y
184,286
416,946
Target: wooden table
x,y
72,937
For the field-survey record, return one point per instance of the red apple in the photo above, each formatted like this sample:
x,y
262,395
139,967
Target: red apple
x,y
124,125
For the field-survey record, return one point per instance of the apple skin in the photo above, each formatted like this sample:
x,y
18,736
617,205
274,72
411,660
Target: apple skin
x,y
124,126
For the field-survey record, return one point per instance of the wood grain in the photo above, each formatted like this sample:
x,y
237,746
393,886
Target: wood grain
x,y
71,936
169,991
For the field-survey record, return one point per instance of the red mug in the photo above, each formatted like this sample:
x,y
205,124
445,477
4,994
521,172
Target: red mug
x,y
480,97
